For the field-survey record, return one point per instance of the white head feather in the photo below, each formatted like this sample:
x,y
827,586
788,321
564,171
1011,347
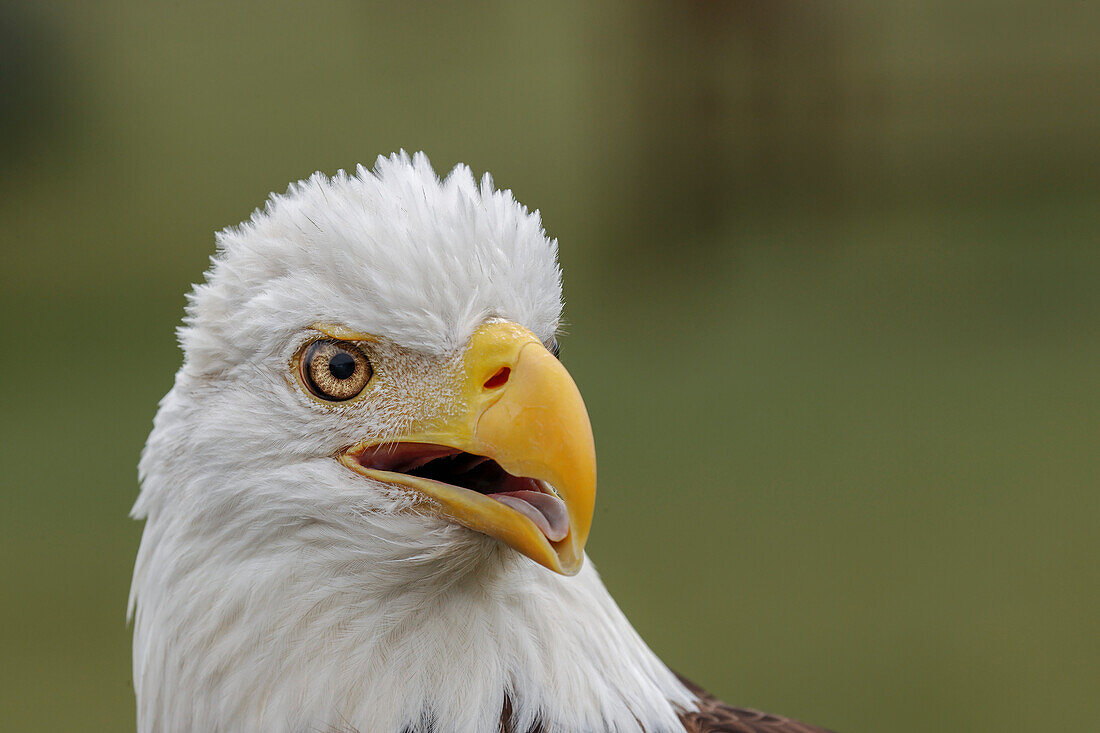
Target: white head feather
x,y
276,591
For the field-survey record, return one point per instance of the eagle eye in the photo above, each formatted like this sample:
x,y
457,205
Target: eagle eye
x,y
334,370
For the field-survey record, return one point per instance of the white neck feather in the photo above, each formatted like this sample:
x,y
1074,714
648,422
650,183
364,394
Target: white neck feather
x,y
308,635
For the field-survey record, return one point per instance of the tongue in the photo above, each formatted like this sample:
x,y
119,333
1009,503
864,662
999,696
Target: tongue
x,y
546,511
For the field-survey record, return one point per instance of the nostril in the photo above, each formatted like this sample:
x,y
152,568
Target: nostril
x,y
498,379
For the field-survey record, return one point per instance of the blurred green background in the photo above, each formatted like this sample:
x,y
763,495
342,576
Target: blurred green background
x,y
833,284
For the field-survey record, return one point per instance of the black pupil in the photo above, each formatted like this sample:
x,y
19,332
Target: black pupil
x,y
341,365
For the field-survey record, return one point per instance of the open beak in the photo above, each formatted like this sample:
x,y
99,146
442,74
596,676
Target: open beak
x,y
512,457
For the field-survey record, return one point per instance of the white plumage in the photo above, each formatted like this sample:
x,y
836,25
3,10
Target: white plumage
x,y
275,590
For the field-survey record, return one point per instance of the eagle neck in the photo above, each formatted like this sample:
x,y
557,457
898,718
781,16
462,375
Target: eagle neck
x,y
265,649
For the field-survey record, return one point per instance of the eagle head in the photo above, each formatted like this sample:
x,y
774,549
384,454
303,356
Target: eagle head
x,y
368,492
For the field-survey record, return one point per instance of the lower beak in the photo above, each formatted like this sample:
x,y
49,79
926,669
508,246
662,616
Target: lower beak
x,y
517,405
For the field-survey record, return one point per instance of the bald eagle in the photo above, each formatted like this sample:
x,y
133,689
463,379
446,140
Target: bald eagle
x,y
366,497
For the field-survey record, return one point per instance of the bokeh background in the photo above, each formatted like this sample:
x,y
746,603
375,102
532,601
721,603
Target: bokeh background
x,y
833,284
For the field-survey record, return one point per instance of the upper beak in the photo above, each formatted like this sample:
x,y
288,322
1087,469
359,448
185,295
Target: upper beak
x,y
517,405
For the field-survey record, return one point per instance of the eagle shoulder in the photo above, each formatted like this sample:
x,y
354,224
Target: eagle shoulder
x,y
715,716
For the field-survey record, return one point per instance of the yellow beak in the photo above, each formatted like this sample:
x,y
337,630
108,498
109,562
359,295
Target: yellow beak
x,y
517,405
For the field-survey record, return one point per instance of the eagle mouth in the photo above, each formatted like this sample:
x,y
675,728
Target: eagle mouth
x,y
456,469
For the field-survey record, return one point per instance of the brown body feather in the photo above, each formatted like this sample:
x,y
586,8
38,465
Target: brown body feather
x,y
713,716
